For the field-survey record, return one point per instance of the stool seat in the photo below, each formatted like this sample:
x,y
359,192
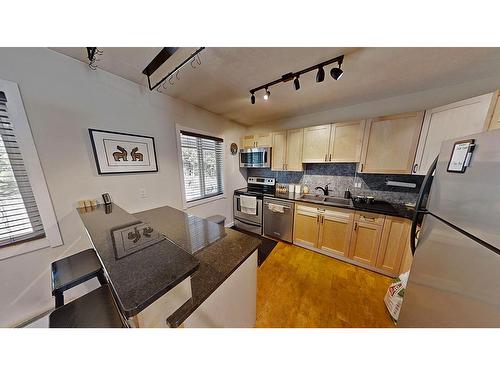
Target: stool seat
x,y
96,309
218,219
74,270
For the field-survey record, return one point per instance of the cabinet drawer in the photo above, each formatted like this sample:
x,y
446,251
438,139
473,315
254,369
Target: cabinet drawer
x,y
368,217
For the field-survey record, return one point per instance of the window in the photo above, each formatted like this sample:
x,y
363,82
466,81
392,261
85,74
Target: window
x,y
201,165
19,217
27,218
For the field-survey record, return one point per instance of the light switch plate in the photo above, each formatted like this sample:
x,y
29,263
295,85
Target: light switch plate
x,y
142,193
357,184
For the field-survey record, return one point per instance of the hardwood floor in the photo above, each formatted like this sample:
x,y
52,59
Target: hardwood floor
x,y
300,288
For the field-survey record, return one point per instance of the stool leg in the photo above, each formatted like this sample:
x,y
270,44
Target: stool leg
x,y
102,278
59,299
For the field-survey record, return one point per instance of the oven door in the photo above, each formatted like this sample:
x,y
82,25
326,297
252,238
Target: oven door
x,y
252,219
255,158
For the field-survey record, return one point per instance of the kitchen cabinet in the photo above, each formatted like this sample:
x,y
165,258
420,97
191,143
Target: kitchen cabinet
x,y
345,141
335,231
306,225
393,244
454,120
287,150
316,144
390,143
255,140
495,119
365,238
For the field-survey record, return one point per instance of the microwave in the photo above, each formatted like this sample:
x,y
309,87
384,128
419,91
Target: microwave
x,y
255,157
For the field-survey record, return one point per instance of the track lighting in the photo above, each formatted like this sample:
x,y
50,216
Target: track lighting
x,y
296,83
336,73
320,76
267,94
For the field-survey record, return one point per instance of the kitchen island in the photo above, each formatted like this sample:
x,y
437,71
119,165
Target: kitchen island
x,y
169,268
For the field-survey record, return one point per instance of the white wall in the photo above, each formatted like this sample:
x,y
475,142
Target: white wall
x,y
63,99
399,104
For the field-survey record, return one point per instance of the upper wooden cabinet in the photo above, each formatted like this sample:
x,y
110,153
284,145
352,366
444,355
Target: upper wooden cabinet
x,y
450,121
346,140
287,150
316,144
495,119
255,140
390,143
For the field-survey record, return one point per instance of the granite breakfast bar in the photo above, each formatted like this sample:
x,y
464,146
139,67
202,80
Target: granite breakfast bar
x,y
181,269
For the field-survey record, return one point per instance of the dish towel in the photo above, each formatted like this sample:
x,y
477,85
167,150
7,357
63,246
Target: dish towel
x,y
278,208
248,204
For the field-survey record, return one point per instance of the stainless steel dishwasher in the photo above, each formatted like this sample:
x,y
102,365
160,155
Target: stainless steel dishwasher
x,y
278,218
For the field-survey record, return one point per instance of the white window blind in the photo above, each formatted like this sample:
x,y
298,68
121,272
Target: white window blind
x,y
19,217
202,165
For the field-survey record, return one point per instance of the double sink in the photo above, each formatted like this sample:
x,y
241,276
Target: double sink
x,y
334,201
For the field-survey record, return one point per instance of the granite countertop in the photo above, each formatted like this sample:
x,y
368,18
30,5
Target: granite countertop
x,y
140,262
380,207
220,251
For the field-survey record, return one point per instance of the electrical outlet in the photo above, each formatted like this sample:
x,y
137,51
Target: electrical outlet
x,y
142,193
357,184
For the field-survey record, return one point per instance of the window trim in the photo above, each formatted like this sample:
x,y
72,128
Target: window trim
x,y
197,202
37,180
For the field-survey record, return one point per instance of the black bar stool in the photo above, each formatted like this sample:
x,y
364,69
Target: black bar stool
x,y
96,309
73,270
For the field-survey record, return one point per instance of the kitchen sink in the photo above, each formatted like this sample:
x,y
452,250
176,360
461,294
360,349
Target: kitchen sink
x,y
338,200
312,197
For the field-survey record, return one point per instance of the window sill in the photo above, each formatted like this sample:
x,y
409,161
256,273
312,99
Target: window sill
x,y
203,201
23,248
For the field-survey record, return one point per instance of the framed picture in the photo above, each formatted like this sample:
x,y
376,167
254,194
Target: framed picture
x,y
116,152
133,237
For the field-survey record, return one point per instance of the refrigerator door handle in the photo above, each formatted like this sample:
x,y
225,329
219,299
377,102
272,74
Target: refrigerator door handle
x,y
418,206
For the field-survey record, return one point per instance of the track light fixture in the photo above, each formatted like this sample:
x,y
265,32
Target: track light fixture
x,y
296,83
267,94
336,73
320,76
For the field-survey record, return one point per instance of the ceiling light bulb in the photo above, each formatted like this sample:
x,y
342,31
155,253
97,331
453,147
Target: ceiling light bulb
x,y
336,73
296,83
320,76
267,95
252,98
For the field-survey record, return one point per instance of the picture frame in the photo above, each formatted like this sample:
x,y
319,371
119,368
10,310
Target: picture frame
x,y
117,152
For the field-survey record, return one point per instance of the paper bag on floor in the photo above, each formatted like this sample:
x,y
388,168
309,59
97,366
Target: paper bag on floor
x,y
394,297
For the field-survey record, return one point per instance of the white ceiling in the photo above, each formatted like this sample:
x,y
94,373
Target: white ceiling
x,y
222,82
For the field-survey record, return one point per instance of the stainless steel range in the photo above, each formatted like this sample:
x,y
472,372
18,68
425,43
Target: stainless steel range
x,y
247,203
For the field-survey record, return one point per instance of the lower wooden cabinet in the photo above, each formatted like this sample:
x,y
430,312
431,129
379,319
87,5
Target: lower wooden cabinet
x,y
335,231
376,241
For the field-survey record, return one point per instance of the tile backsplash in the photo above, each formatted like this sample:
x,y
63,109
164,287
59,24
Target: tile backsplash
x,y
342,177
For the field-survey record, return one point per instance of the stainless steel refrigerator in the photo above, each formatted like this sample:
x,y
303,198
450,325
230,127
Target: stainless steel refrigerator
x,y
455,276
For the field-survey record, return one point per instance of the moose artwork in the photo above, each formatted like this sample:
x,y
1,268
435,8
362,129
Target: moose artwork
x,y
116,152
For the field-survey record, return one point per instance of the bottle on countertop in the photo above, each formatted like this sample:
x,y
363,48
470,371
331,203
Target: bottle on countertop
x,y
305,189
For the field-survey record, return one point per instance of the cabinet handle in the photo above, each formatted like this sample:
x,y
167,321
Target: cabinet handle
x,y
322,219
361,169
415,167
355,226
368,218
330,157
317,219
326,157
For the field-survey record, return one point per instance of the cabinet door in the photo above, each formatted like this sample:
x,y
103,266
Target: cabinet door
x,y
454,120
393,244
365,241
495,120
316,144
390,143
294,140
278,151
345,141
263,140
335,231
247,141
306,226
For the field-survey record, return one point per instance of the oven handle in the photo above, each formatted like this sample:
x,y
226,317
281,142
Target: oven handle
x,y
247,223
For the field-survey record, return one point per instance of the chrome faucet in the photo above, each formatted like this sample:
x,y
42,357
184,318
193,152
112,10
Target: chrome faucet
x,y
325,189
